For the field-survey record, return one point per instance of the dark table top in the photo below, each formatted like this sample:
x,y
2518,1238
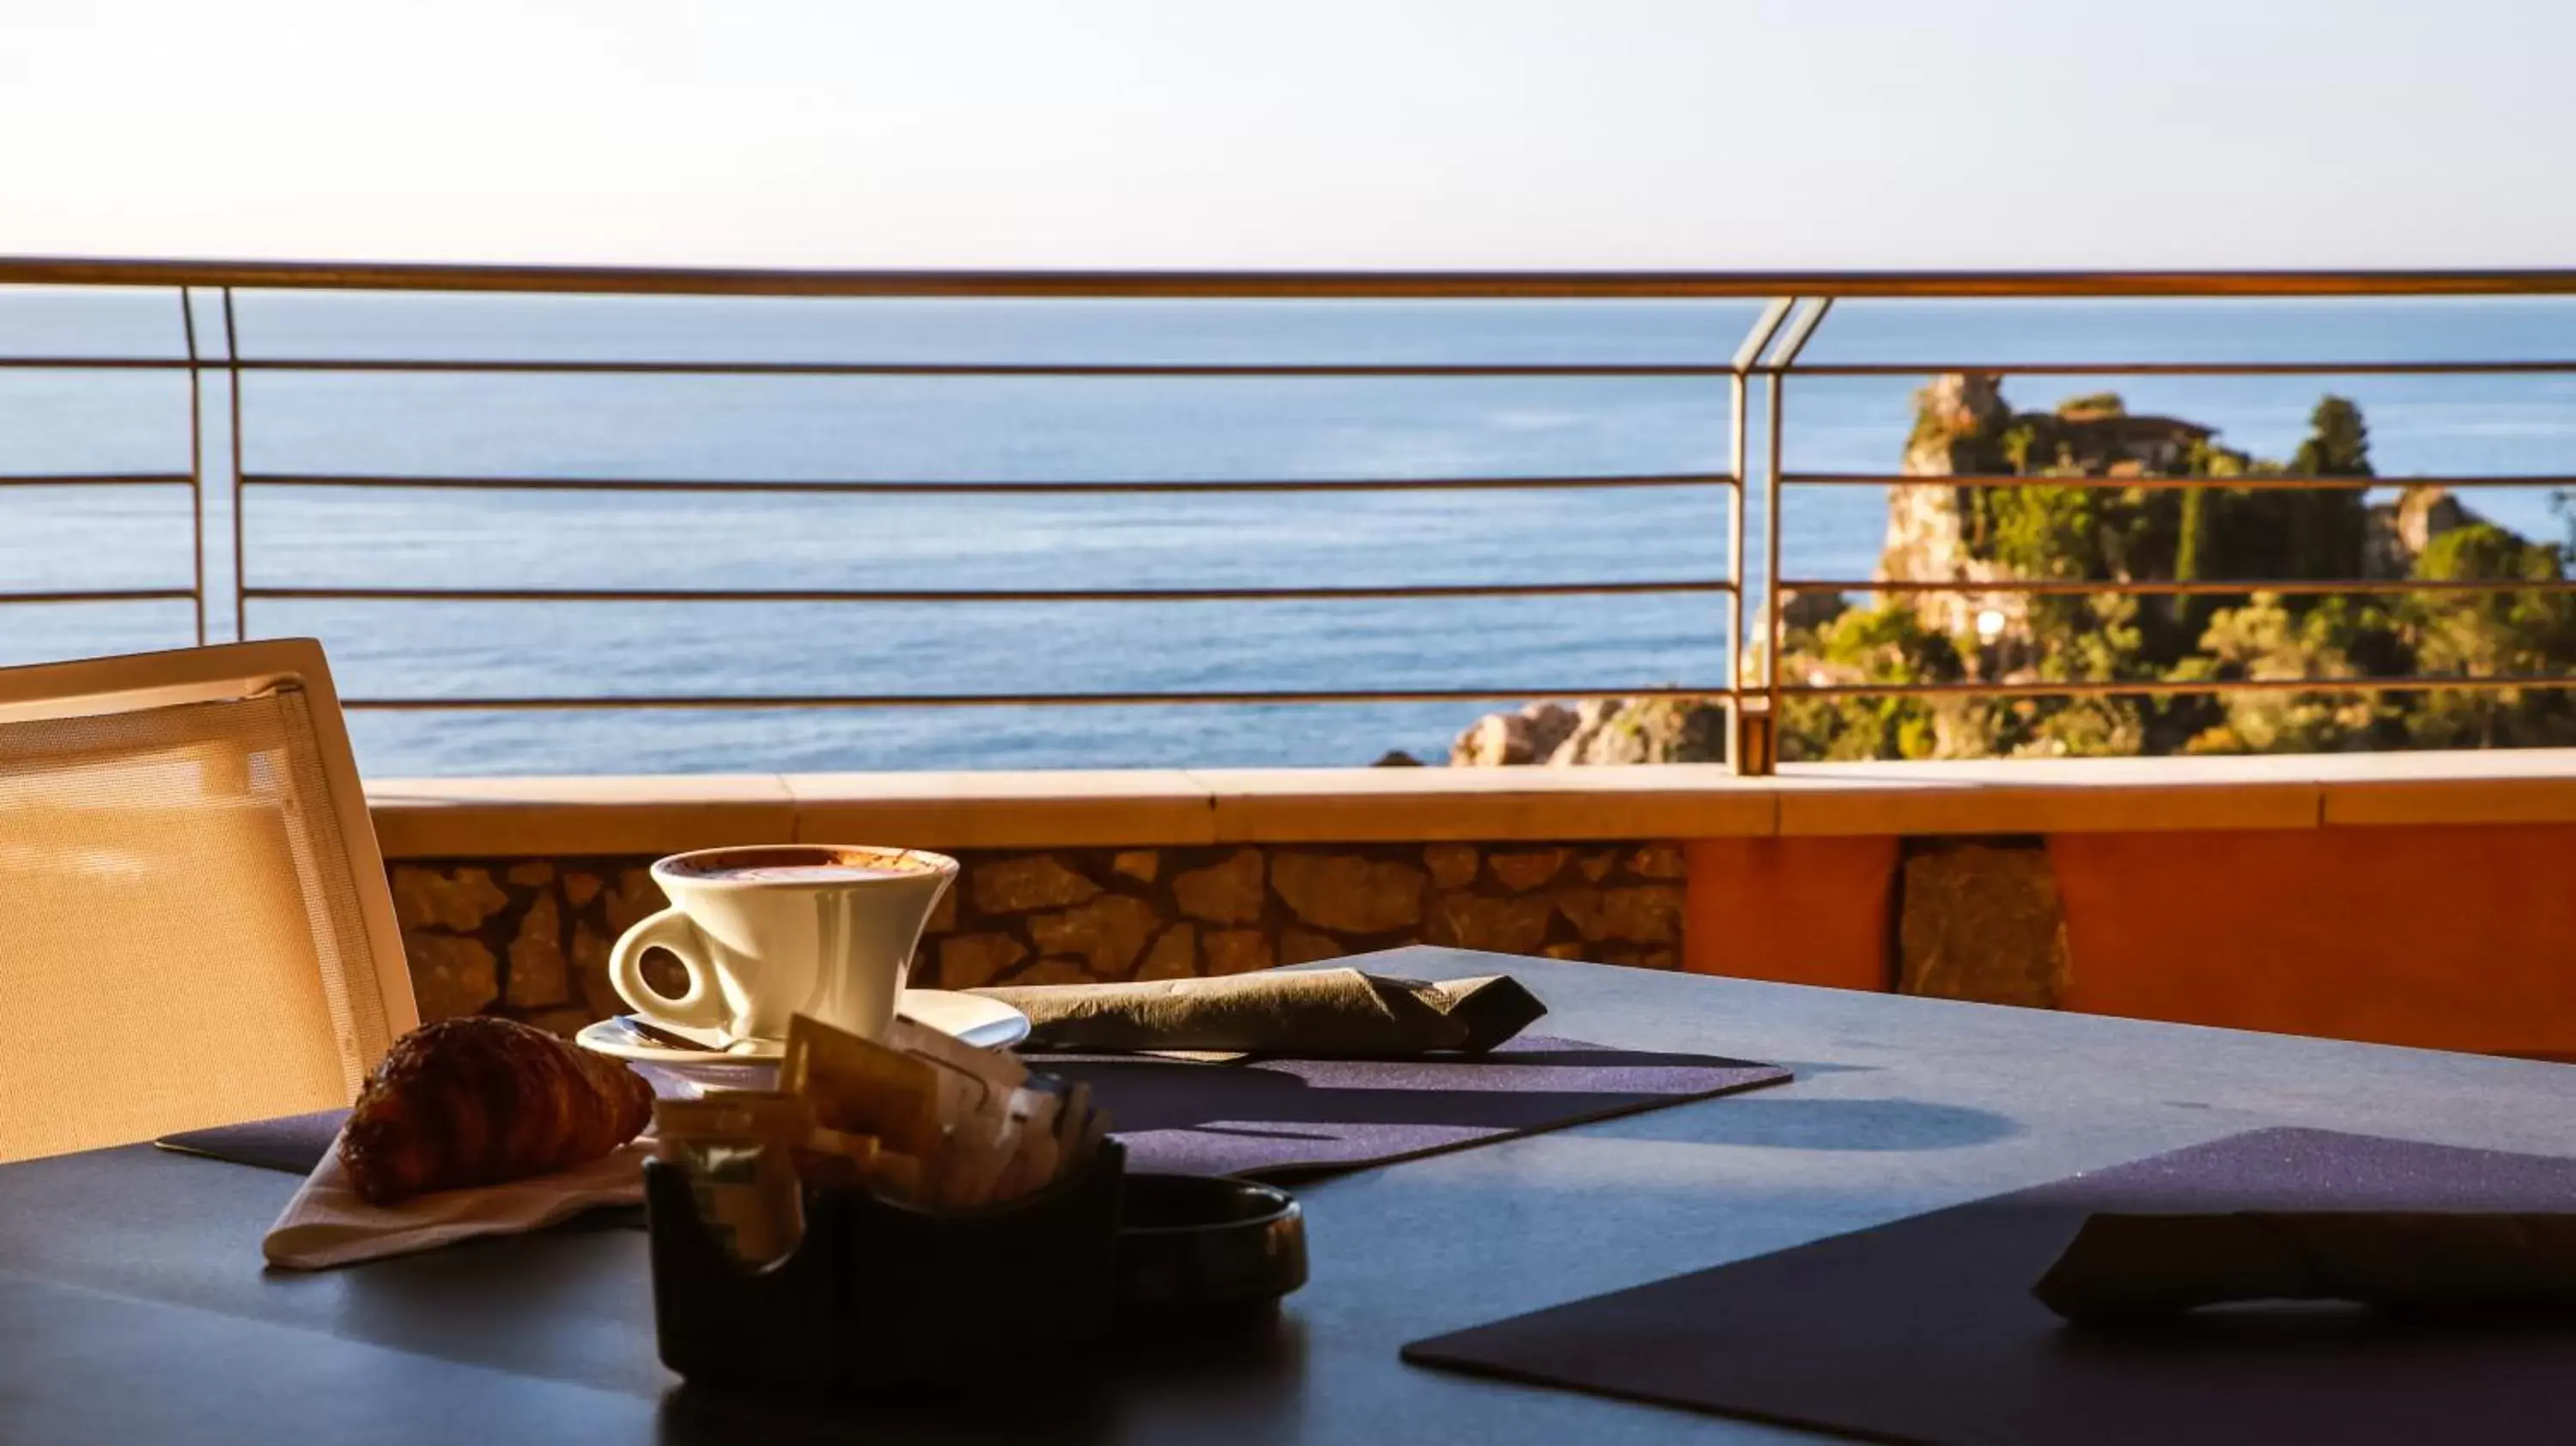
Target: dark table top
x,y
133,1306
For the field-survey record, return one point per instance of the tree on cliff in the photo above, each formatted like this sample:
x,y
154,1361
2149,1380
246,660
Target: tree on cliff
x,y
1883,644
2263,638
2490,634
2338,443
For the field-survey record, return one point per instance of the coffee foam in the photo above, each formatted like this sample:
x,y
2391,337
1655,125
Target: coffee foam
x,y
792,865
803,873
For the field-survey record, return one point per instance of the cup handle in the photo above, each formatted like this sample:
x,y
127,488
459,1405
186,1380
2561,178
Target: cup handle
x,y
703,1007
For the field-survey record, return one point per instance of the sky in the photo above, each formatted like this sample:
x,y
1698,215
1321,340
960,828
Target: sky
x,y
1828,134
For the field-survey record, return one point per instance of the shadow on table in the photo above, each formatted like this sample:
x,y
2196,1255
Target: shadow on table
x,y
1142,1095
1785,1122
2296,1329
1222,1375
1572,1054
1812,1069
1145,1095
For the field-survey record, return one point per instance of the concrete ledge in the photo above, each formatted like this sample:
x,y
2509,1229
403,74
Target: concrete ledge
x,y
488,817
1367,805
2072,795
1062,809
2504,786
431,818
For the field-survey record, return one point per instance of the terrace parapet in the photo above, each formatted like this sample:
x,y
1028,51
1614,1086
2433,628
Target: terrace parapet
x,y
2257,892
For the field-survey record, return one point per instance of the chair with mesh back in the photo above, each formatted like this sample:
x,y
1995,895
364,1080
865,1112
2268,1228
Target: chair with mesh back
x,y
194,923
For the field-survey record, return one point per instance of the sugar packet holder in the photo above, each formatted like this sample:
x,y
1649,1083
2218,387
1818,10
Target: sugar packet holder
x,y
879,1294
788,1252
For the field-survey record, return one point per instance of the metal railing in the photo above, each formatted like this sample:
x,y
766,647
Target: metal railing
x,y
1767,359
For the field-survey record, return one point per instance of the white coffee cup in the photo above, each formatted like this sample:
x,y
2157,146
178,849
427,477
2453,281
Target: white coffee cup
x,y
776,930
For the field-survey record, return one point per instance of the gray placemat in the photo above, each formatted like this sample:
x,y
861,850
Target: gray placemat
x,y
292,1143
1280,1119
1292,1119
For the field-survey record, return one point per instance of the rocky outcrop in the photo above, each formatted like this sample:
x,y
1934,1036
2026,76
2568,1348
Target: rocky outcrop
x,y
1963,426
1596,730
2070,505
1531,735
1927,527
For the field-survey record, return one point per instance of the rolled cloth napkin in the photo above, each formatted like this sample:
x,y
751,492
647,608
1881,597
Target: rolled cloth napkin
x,y
2126,1266
327,1223
1318,1013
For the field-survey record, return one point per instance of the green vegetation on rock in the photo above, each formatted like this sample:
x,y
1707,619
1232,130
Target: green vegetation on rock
x,y
2090,531
2085,513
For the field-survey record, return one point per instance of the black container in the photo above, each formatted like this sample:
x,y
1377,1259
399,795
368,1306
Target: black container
x,y
879,1296
1202,1252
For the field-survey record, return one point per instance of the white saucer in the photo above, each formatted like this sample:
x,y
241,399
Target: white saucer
x,y
984,1023
981,1022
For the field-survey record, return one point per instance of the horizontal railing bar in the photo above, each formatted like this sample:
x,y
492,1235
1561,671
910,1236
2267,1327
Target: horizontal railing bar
x,y
1028,700
695,485
138,594
695,281
105,364
2195,588
2165,687
2191,369
601,366
607,367
951,595
102,479
2240,484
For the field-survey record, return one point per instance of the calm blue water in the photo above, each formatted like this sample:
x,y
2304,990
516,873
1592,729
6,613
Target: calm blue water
x,y
944,429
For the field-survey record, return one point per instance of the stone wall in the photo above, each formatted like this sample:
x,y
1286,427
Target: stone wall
x,y
529,937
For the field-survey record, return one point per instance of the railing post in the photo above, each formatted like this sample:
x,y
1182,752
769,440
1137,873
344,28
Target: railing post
x,y
1736,754
1768,741
1748,749
1811,314
1757,745
232,367
196,461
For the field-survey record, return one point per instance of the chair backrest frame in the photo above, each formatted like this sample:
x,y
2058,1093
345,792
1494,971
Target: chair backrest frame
x,y
134,682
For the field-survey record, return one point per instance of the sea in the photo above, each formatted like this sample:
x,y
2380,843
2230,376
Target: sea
x,y
948,429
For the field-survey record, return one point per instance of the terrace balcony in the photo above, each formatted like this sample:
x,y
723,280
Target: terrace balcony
x,y
2403,897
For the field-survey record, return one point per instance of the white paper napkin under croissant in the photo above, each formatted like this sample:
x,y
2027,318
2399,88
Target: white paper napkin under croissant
x,y
327,1224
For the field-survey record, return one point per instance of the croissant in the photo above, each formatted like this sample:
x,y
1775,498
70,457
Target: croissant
x,y
479,1100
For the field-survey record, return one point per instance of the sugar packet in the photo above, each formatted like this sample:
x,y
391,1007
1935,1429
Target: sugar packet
x,y
924,1117
861,1087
